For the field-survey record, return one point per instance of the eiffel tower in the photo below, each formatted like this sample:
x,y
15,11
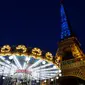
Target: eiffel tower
x,y
69,52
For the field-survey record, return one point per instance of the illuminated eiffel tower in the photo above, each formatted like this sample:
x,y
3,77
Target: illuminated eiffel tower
x,y
69,52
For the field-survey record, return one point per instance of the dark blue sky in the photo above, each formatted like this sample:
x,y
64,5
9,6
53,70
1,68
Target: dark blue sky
x,y
36,23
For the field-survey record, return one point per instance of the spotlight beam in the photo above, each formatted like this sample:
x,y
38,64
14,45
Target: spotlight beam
x,y
35,64
54,72
43,66
48,69
17,62
7,61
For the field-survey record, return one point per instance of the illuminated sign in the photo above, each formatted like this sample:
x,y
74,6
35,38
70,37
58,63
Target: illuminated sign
x,y
23,71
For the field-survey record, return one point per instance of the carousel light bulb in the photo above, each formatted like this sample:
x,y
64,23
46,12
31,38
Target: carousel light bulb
x,y
60,74
51,79
57,77
11,57
54,67
43,62
37,81
27,59
59,71
45,81
3,77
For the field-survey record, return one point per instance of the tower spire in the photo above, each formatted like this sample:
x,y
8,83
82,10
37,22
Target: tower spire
x,y
65,29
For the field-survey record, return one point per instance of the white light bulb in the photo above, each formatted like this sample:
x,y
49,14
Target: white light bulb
x,y
51,79
37,81
57,77
11,57
60,74
3,78
59,71
27,59
54,67
44,80
43,62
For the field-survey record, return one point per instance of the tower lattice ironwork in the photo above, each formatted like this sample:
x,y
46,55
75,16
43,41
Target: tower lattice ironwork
x,y
69,52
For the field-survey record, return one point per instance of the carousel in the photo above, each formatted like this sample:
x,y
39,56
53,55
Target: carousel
x,y
21,65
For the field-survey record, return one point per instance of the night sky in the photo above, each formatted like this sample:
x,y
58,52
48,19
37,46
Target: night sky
x,y
36,23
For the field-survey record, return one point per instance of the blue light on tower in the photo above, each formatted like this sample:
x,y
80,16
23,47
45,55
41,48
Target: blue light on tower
x,y
65,31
